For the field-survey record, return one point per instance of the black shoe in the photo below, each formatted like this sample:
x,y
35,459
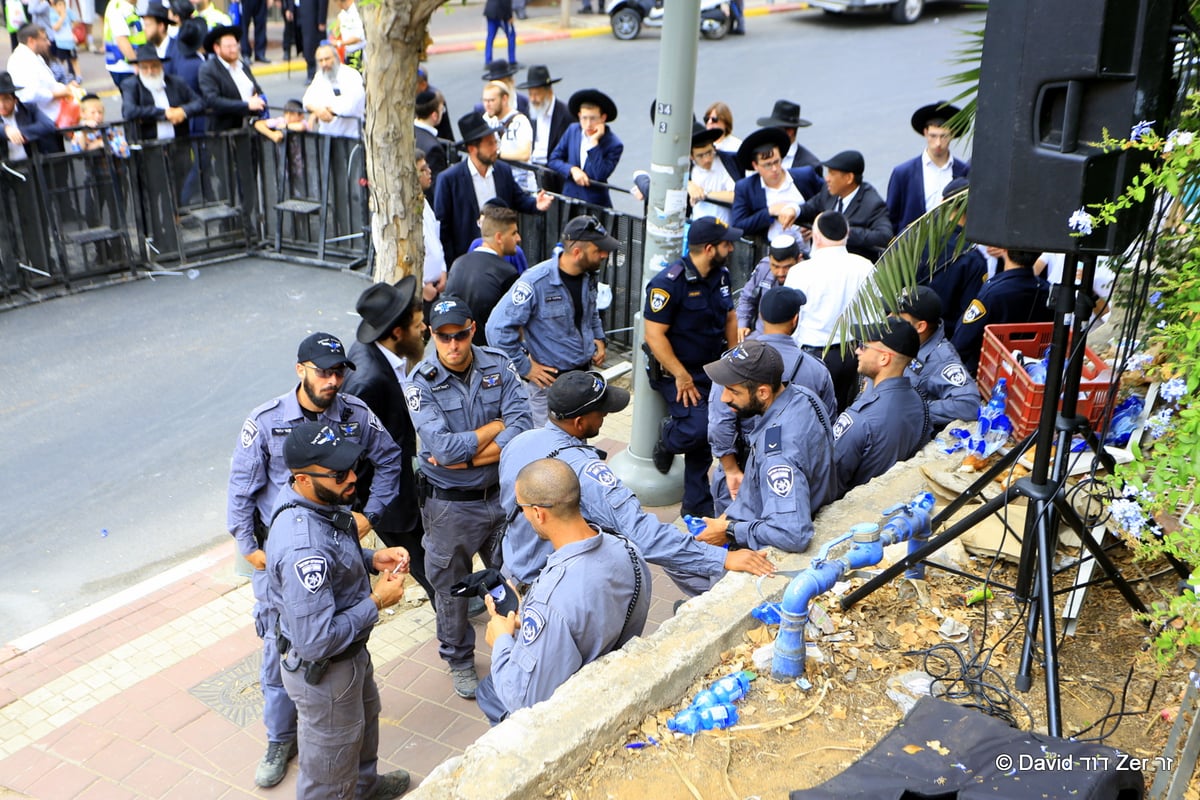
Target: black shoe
x,y
662,458
586,10
390,784
738,32
274,763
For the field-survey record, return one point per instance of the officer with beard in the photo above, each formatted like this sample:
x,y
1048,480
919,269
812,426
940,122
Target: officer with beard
x,y
257,473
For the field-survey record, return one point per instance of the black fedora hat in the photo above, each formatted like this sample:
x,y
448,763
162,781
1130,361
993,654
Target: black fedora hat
x,y
500,69
190,36
759,139
593,97
220,31
159,11
6,84
785,114
146,52
473,127
381,305
940,111
702,135
536,77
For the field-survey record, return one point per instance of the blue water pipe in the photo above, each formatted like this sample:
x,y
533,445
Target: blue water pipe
x,y
906,522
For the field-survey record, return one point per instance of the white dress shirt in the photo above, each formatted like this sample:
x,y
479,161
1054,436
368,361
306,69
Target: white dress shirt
x,y
935,179
484,185
31,72
342,93
787,192
830,279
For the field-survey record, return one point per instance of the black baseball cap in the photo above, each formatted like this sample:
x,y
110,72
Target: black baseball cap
x,y
576,393
449,310
710,230
954,187
922,302
893,333
751,360
318,443
587,228
324,350
781,304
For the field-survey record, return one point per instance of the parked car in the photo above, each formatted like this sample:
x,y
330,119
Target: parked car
x,y
903,12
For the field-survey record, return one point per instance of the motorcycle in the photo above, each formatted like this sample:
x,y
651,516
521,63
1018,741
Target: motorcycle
x,y
628,16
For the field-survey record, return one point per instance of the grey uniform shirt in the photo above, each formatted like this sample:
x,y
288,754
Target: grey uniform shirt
x,y
574,613
446,409
604,501
789,474
257,471
888,422
939,375
317,576
540,307
760,282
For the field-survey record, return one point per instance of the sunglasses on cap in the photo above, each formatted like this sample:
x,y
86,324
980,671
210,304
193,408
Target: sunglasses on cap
x,y
575,412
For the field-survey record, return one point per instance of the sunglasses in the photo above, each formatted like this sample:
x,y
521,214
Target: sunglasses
x,y
712,118
461,336
338,477
339,372
592,225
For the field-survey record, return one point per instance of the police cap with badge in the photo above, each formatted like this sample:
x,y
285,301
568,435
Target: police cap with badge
x,y
576,393
317,444
710,230
752,360
324,350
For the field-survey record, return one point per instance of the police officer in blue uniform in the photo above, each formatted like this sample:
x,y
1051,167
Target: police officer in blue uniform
x,y
728,433
256,475
889,422
579,402
591,598
937,371
1012,296
467,403
689,322
548,323
770,272
317,576
789,472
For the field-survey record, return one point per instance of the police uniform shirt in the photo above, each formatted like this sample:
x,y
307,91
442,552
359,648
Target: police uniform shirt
x,y
317,576
888,422
540,306
693,308
574,613
1014,295
604,501
789,474
446,409
760,282
939,375
257,470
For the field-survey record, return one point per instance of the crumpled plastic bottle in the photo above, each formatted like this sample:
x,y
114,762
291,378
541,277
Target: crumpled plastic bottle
x,y
710,718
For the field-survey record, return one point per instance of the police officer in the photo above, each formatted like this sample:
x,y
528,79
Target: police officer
x,y
578,403
889,421
317,576
467,403
937,371
591,598
548,322
789,472
689,322
769,273
1015,295
729,434
256,475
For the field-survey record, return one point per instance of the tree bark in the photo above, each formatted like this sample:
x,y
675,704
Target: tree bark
x,y
396,31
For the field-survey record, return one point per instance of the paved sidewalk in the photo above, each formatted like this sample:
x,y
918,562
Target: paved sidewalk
x,y
154,694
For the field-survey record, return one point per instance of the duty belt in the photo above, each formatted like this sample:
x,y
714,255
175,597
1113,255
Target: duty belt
x,y
461,495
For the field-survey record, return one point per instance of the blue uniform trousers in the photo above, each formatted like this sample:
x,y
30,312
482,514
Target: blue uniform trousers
x,y
510,34
489,701
339,729
279,712
686,432
456,530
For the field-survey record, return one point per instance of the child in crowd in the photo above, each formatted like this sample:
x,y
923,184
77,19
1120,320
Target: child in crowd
x,y
62,47
293,119
351,38
94,135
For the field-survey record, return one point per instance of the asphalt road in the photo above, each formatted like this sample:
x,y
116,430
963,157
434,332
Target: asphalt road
x,y
121,406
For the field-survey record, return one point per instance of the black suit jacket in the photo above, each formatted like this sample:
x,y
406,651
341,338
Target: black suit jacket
x,y
560,120
455,206
870,226
375,383
435,155
229,110
480,278
806,158
37,129
142,116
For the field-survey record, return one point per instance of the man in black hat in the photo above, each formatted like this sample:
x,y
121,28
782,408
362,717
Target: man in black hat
x,y
588,151
227,84
482,276
846,192
183,52
22,124
158,105
258,474
937,371
318,576
789,471
767,203
503,71
713,176
786,116
550,119
463,189
916,185
390,342
156,23
889,422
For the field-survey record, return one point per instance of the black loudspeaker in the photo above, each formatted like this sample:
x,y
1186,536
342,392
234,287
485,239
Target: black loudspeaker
x,y
1055,75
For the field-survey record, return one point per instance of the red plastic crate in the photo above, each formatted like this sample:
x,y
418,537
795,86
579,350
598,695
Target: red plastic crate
x,y
1024,396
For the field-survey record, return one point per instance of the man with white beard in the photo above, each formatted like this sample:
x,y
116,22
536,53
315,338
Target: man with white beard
x,y
550,119
336,95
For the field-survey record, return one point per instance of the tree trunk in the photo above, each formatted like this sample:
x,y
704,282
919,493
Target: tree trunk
x,y
395,32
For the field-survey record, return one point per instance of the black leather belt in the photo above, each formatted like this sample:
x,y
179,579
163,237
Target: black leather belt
x,y
817,350
461,495
351,651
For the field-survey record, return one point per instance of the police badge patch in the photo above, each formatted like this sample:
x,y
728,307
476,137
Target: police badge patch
x,y
658,299
975,311
311,571
412,396
780,479
249,431
956,374
490,381
842,424
348,429
601,474
531,625
521,292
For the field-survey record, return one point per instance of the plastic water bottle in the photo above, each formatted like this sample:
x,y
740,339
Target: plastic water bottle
x,y
999,399
695,525
710,718
729,689
994,427
767,613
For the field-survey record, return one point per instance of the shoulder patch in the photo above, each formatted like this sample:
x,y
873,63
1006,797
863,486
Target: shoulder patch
x,y
531,626
659,299
491,380
601,474
779,477
675,271
976,311
842,424
773,439
955,374
916,365
249,432
349,429
312,572
412,396
521,293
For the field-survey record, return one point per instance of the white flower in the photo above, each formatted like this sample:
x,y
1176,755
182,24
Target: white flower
x,y
1177,137
1081,221
1140,130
